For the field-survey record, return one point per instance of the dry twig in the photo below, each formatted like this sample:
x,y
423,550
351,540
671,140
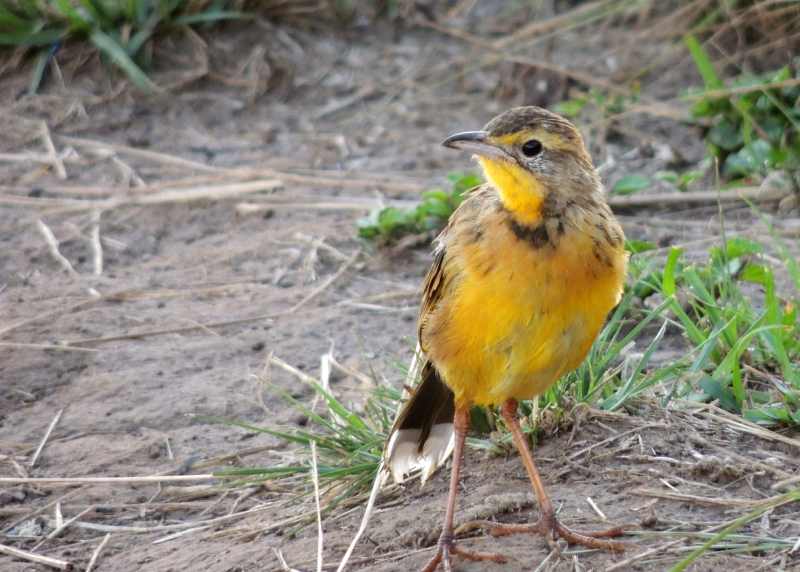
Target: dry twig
x,y
32,513
47,433
705,501
326,283
380,478
60,481
97,247
164,527
37,558
62,526
97,551
52,244
284,565
50,347
52,154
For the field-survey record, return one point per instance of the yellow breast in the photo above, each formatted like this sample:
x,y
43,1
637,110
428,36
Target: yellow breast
x,y
520,316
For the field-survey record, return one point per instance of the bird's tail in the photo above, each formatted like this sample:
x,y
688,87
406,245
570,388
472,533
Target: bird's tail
x,y
422,436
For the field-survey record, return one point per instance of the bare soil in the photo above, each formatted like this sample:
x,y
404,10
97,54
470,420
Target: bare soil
x,y
181,327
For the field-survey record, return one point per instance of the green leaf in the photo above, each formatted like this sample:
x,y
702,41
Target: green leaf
x,y
438,208
726,135
436,194
757,274
391,217
667,177
571,107
752,158
630,184
769,415
636,246
740,246
463,182
368,231
782,74
723,394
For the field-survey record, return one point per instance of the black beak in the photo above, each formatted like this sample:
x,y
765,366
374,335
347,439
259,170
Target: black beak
x,y
477,142
456,140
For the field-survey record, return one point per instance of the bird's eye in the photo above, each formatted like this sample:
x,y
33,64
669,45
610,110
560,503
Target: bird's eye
x,y
531,148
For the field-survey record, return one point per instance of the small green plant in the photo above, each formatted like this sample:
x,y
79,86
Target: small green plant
x,y
431,214
119,30
754,122
681,181
630,184
596,102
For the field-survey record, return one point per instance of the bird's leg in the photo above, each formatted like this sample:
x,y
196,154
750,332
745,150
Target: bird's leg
x,y
447,545
548,525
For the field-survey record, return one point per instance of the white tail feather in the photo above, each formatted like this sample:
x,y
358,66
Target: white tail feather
x,y
403,455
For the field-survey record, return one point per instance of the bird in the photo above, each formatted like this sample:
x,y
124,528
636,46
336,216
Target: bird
x,y
523,277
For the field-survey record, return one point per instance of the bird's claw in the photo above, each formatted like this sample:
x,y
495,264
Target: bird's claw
x,y
549,527
447,547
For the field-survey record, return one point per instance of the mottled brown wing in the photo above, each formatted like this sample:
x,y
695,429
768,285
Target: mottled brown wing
x,y
432,288
463,222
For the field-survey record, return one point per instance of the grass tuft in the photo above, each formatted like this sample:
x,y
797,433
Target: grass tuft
x,y
120,31
349,442
739,544
744,338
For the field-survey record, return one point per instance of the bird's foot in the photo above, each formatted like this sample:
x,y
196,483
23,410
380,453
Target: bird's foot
x,y
549,527
447,547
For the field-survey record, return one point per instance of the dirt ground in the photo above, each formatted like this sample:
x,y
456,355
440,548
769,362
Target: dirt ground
x,y
194,297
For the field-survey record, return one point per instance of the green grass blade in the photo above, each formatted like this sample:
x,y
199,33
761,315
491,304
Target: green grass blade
x,y
141,36
273,472
696,335
209,16
733,527
38,71
340,410
68,11
117,54
670,269
703,63
707,347
612,353
43,38
631,388
9,19
98,12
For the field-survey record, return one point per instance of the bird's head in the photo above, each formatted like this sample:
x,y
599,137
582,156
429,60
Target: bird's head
x,y
528,153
